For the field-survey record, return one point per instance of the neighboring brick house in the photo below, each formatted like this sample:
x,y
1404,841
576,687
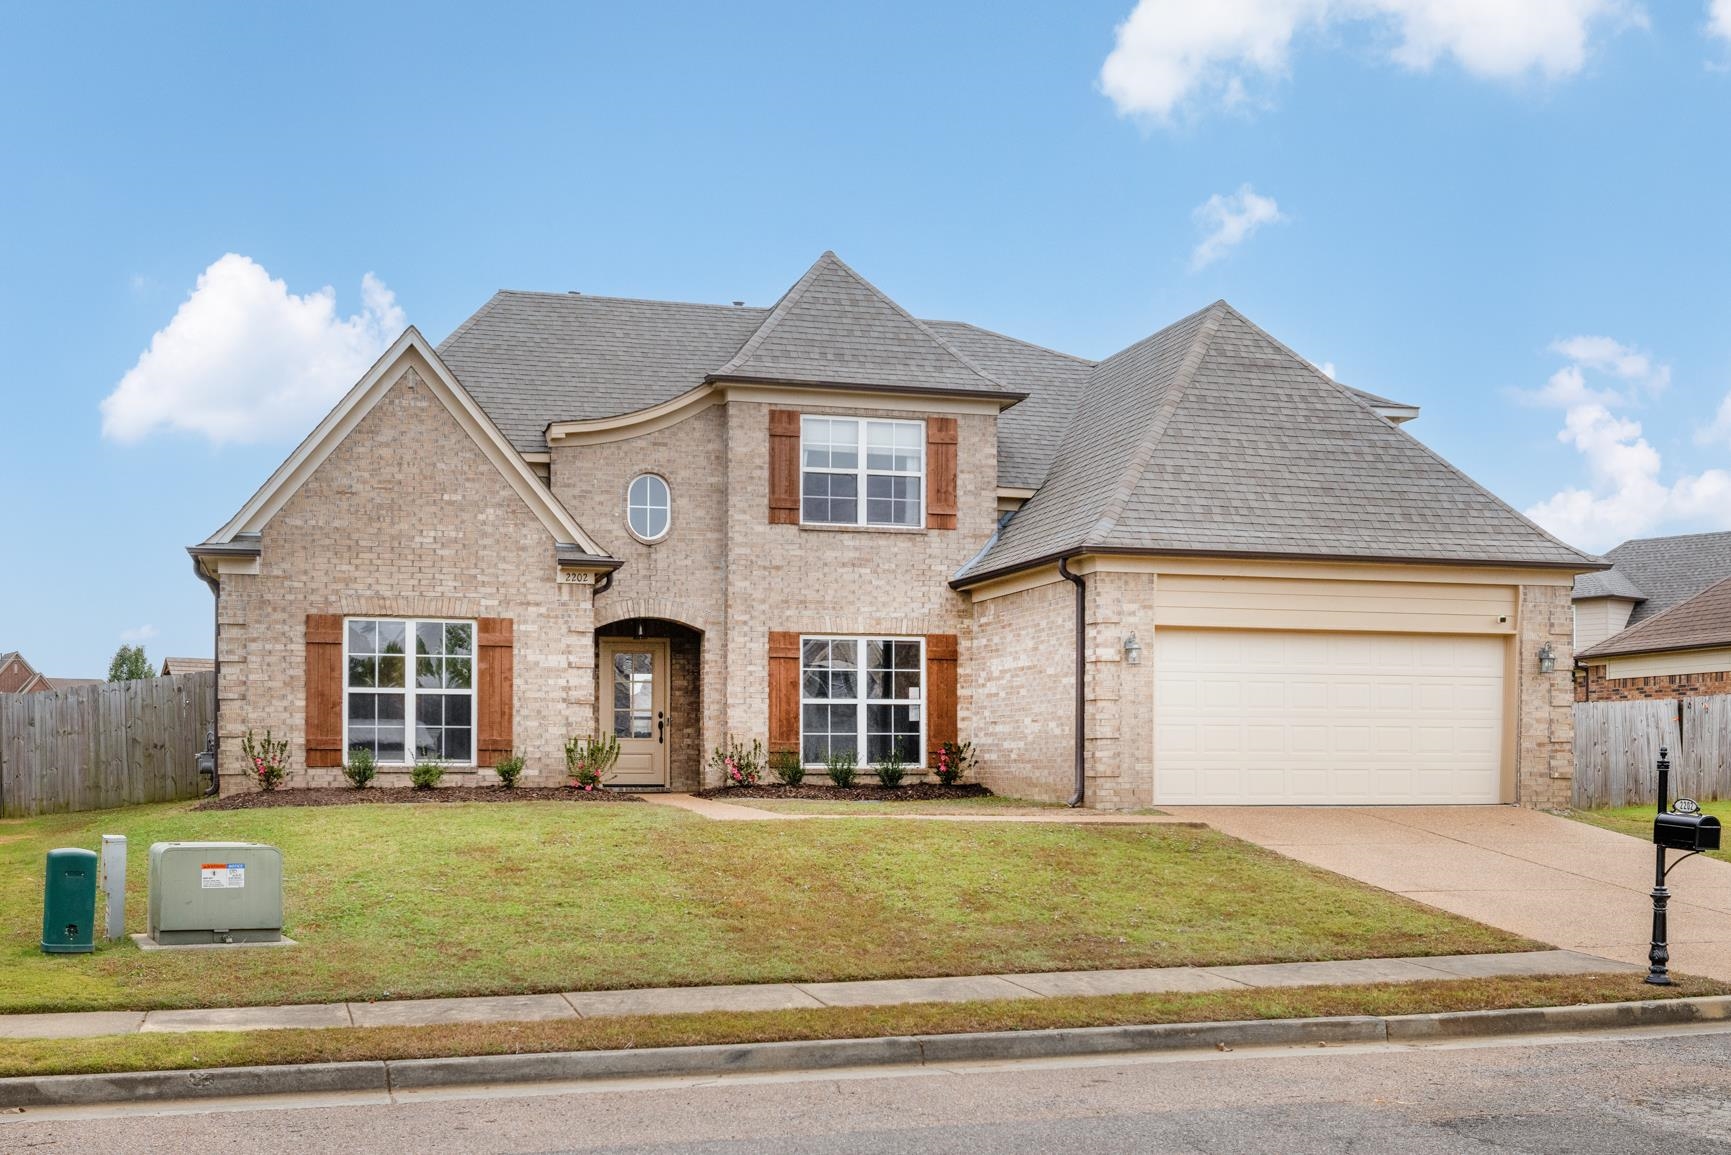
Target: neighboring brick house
x,y
831,526
18,676
1658,624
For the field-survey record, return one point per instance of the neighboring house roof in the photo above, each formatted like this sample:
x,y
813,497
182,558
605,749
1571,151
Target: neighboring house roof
x,y
1607,583
1211,437
571,543
187,665
1696,623
1665,570
69,683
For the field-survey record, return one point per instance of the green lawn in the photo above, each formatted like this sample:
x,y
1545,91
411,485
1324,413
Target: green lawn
x,y
422,900
1638,821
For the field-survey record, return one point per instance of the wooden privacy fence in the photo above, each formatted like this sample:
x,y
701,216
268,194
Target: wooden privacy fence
x,y
93,747
1617,744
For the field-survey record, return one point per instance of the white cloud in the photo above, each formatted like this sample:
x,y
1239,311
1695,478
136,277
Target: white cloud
x,y
1171,54
246,360
1230,220
138,634
1625,496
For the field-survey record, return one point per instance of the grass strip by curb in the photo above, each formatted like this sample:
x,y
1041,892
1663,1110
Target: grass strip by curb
x,y
204,1050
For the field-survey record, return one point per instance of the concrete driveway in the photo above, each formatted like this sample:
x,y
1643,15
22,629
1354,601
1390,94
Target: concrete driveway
x,y
1552,879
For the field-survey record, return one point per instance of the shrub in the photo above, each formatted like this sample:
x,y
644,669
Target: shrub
x,y
738,764
841,766
892,769
268,759
361,768
787,767
508,768
954,762
588,761
426,773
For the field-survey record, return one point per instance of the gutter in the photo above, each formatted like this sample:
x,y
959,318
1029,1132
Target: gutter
x,y
1081,680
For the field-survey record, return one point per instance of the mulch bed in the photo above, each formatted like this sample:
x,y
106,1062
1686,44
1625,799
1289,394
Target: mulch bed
x,y
917,792
383,795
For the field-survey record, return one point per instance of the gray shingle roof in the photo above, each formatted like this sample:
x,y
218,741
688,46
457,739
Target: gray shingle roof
x,y
1669,569
834,327
1212,437
1607,583
1699,622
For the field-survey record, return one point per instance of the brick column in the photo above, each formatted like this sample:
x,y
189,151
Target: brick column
x,y
1545,735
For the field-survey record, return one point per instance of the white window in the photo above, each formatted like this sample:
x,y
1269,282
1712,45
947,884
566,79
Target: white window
x,y
648,507
383,697
858,472
861,695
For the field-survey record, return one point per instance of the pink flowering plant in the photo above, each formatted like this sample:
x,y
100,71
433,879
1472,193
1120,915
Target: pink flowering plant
x,y
738,764
588,761
953,762
266,758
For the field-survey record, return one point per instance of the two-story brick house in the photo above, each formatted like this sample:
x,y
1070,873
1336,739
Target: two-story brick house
x,y
1198,570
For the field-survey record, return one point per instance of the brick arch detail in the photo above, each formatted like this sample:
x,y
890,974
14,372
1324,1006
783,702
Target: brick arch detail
x,y
609,611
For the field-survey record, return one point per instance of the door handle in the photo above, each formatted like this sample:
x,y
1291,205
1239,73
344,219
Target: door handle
x,y
661,726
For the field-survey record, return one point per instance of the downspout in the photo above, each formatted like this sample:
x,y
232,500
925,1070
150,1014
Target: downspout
x,y
1081,679
215,585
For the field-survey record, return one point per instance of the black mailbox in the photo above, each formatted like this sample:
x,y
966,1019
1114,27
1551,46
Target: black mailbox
x,y
1686,831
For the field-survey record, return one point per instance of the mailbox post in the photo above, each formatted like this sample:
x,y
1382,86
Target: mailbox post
x,y
1679,827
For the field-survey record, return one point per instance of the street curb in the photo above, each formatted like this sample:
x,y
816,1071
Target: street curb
x,y
384,1077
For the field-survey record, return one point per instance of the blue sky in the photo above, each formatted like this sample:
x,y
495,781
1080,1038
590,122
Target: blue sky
x,y
1512,214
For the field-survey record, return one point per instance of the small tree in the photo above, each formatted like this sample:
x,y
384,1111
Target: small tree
x,y
129,665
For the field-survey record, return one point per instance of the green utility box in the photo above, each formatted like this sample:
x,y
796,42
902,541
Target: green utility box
x,y
205,892
69,902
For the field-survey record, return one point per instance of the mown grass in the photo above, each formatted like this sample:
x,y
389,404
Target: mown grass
x,y
228,1049
1637,821
428,900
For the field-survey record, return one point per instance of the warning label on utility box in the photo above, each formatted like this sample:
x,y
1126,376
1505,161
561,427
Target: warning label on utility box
x,y
222,875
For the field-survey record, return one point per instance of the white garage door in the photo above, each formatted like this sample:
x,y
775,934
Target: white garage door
x,y
1251,717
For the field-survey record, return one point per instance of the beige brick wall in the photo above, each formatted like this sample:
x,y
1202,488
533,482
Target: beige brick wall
x,y
1019,675
405,518
1545,735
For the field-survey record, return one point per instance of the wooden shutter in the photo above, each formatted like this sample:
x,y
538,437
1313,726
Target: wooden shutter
x,y
494,687
940,473
783,691
324,684
941,725
783,467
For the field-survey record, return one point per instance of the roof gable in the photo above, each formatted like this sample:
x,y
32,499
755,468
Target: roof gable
x,y
410,350
834,327
1668,570
1699,622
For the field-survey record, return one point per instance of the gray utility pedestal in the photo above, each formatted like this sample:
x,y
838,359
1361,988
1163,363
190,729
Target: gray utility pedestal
x,y
209,892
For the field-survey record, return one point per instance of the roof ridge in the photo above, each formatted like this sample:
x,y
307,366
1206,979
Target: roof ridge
x,y
1433,454
785,306
1640,627
1675,537
1008,337
1143,453
579,297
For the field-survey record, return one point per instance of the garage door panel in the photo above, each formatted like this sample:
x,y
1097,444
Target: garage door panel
x,y
1264,717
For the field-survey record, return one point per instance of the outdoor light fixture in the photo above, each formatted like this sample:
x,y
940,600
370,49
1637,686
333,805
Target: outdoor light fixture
x,y
1133,650
1547,659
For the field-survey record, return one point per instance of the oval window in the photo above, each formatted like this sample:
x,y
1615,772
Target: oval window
x,y
647,507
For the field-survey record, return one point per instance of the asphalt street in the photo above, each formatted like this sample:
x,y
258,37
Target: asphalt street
x,y
1644,1092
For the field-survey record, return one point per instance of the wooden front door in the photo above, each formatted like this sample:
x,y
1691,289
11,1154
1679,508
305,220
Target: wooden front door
x,y
634,708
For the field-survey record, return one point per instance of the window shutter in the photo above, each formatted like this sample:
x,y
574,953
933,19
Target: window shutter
x,y
941,725
783,467
494,685
783,691
940,473
324,685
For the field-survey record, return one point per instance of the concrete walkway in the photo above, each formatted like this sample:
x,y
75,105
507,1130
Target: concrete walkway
x,y
783,996
720,811
1553,879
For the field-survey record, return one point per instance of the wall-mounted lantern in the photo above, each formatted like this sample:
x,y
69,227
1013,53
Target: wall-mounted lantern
x,y
1547,659
1133,650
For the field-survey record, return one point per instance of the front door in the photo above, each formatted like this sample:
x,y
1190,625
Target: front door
x,y
634,708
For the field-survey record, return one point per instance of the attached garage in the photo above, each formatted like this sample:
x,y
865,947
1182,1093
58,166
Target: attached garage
x,y
1270,717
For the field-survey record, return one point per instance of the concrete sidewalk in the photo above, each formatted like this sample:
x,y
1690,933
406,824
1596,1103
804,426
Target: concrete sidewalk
x,y
721,811
1549,878
784,996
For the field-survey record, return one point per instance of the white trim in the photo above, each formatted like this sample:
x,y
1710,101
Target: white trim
x,y
862,472
410,350
1662,664
860,699
410,690
623,426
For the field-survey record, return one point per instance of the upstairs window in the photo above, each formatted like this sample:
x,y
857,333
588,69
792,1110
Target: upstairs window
x,y
861,472
648,508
